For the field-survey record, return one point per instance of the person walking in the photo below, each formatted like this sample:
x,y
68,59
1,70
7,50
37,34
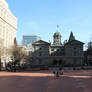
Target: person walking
x,y
54,73
57,74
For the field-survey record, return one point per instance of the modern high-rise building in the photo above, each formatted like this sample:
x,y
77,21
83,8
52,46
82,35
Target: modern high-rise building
x,y
29,39
8,28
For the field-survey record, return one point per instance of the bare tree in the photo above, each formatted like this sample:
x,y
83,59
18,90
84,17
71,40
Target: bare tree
x,y
20,56
17,53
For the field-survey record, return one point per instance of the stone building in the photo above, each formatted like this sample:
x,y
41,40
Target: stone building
x,y
57,54
8,29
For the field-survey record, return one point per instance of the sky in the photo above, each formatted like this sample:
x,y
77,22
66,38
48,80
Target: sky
x,y
41,17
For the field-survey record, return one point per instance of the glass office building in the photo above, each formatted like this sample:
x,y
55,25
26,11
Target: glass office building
x,y
29,39
90,45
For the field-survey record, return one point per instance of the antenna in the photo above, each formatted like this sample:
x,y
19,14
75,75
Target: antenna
x,y
57,28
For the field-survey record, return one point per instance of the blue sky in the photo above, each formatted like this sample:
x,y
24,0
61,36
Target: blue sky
x,y
41,17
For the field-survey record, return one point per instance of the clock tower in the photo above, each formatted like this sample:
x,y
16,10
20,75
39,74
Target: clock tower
x,y
57,39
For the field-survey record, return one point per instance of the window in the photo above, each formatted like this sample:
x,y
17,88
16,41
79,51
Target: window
x,y
40,61
40,48
40,54
74,53
74,48
52,49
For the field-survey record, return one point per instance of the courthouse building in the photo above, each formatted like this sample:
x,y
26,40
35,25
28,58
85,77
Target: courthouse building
x,y
8,29
58,54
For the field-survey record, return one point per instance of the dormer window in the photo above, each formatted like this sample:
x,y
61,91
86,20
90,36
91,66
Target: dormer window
x,y
74,48
40,48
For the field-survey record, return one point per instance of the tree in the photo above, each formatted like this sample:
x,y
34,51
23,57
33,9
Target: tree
x,y
20,56
88,54
17,53
1,52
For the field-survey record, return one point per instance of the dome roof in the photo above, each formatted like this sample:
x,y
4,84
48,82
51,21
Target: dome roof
x,y
57,34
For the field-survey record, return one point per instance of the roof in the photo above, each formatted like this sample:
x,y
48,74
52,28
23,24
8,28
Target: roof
x,y
57,34
72,42
41,42
71,38
31,35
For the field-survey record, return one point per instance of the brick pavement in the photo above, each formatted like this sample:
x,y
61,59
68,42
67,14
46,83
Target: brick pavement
x,y
43,81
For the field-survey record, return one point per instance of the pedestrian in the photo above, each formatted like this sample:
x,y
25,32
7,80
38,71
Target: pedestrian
x,y
57,74
54,73
62,72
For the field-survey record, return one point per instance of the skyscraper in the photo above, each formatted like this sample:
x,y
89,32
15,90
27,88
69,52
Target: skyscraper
x,y
8,28
29,39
